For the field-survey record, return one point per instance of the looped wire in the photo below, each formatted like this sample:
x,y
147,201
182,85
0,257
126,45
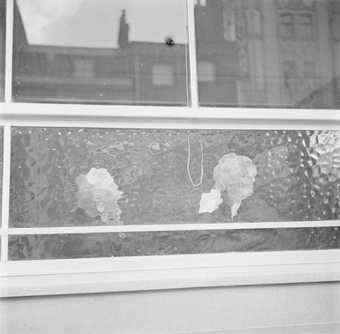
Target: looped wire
x,y
195,185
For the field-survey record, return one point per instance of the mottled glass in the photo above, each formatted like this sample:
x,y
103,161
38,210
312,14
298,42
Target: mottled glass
x,y
101,51
275,53
70,246
89,176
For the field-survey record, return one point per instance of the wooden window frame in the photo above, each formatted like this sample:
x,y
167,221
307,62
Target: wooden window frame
x,y
49,277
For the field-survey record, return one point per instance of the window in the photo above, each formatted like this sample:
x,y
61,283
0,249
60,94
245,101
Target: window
x,y
166,154
248,66
309,76
291,80
83,68
335,26
123,177
290,69
287,26
254,23
162,75
309,69
305,26
122,42
309,3
206,72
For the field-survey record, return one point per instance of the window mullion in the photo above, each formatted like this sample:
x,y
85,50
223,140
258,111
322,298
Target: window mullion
x,y
192,53
169,227
5,193
9,50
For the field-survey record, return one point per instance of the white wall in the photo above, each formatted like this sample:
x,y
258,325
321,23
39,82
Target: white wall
x,y
179,311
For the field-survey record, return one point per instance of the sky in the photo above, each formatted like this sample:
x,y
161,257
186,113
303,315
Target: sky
x,y
94,23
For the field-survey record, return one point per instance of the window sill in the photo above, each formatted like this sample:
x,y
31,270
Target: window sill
x,y
265,269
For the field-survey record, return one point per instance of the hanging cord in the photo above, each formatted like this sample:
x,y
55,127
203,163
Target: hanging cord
x,y
195,185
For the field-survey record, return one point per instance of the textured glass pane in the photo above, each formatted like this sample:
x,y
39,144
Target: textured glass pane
x,y
84,176
2,47
275,53
101,51
170,243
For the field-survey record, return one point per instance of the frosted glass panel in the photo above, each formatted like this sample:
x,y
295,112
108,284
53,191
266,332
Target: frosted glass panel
x,y
101,51
170,243
84,176
274,53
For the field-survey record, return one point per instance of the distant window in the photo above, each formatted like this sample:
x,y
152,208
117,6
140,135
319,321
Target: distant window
x,y
305,26
290,78
308,3
309,76
254,22
64,65
206,71
283,3
309,69
290,69
335,25
162,75
83,68
287,25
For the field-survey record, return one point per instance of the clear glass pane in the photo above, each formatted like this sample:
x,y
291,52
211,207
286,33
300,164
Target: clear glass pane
x,y
275,53
2,47
84,176
101,51
70,246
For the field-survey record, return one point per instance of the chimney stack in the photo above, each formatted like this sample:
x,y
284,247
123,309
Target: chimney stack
x,y
123,34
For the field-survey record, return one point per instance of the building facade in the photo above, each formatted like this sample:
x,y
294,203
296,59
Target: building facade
x,y
258,53
134,72
288,51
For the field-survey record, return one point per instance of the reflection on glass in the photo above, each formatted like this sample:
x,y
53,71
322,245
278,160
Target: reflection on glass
x,y
70,246
83,176
101,51
2,47
275,53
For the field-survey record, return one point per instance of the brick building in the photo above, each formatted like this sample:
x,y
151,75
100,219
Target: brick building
x,y
135,72
280,53
289,51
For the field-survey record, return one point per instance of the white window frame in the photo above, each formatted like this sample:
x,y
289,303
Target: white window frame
x,y
301,24
49,277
